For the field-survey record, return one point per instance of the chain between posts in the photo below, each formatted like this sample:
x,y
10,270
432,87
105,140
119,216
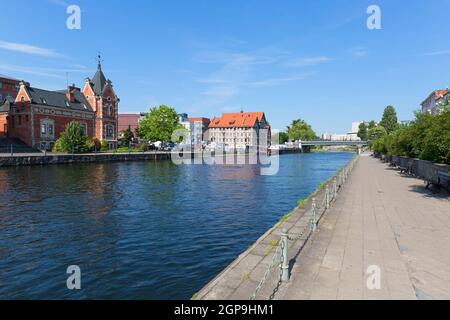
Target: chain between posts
x,y
268,271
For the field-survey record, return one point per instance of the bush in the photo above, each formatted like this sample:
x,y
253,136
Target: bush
x,y
93,144
104,145
71,139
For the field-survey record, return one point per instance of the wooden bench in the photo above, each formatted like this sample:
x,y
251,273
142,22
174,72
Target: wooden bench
x,y
406,170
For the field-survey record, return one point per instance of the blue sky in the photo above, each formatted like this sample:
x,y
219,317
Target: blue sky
x,y
314,60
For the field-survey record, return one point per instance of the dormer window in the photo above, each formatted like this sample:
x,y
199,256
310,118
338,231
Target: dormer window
x,y
22,99
67,104
43,101
109,98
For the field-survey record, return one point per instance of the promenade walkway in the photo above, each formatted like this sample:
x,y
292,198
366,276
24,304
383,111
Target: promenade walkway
x,y
382,219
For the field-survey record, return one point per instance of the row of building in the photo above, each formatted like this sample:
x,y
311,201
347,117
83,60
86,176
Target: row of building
x,y
38,116
237,130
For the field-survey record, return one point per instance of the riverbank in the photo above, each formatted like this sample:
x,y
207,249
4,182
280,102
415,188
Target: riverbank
x,y
255,273
40,159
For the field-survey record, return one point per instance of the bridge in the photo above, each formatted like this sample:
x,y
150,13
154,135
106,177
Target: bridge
x,y
324,143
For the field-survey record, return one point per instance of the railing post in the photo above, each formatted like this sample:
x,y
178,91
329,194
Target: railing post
x,y
284,256
12,150
313,215
335,188
327,195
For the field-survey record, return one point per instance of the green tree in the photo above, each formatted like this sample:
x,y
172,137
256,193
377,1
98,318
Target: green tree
x,y
71,139
280,137
127,136
159,124
436,143
362,132
389,120
300,130
376,133
372,125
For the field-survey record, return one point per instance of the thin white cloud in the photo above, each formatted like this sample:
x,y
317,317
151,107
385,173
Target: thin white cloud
x,y
28,49
437,53
359,52
280,81
44,72
308,61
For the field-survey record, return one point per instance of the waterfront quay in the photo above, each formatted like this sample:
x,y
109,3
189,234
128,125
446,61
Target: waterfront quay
x,y
384,236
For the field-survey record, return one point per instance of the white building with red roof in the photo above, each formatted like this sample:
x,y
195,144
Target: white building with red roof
x,y
429,104
240,130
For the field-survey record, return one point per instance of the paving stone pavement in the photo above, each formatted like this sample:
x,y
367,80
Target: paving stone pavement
x,y
383,219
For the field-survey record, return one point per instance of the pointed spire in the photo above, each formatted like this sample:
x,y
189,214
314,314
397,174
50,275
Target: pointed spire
x,y
99,62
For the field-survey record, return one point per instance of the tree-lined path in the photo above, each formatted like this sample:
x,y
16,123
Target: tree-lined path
x,y
380,219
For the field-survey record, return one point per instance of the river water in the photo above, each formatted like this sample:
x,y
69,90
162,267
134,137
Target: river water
x,y
140,230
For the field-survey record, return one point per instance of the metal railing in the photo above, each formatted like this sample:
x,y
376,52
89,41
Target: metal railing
x,y
12,149
317,212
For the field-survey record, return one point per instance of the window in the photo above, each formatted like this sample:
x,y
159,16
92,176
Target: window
x,y
26,118
83,129
20,120
1,97
67,104
109,110
1,85
47,129
22,99
43,101
109,131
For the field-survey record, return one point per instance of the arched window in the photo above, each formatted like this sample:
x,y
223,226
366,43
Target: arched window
x,y
109,131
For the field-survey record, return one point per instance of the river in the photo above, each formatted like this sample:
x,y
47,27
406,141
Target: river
x,y
140,230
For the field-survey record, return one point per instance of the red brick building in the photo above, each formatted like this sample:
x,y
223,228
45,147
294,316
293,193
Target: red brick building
x,y
130,121
8,90
37,117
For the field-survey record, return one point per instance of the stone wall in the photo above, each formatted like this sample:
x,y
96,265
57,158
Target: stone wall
x,y
79,158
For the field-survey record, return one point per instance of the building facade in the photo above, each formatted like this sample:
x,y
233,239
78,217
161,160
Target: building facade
x,y
198,130
430,103
9,87
240,130
38,117
130,121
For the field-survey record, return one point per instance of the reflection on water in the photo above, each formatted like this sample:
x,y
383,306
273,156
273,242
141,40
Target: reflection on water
x,y
148,230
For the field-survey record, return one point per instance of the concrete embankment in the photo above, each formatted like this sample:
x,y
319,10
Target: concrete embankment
x,y
34,159
255,273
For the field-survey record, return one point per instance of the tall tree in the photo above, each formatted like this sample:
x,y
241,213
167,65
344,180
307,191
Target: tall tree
x,y
372,125
300,130
376,133
389,120
159,124
362,132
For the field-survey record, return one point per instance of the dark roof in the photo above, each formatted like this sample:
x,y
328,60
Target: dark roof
x,y
99,81
59,99
5,104
8,77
